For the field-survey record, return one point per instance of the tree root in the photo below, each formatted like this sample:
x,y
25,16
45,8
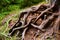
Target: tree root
x,y
43,23
23,34
20,27
44,12
49,24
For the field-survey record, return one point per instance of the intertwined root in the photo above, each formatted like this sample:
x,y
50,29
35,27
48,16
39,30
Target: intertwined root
x,y
40,24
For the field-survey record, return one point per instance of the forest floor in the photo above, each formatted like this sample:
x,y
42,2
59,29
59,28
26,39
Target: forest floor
x,y
4,23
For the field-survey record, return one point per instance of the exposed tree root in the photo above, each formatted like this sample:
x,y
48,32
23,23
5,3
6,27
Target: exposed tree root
x,y
44,12
23,34
42,23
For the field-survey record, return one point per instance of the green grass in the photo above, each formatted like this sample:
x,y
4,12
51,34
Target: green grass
x,y
6,11
4,29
